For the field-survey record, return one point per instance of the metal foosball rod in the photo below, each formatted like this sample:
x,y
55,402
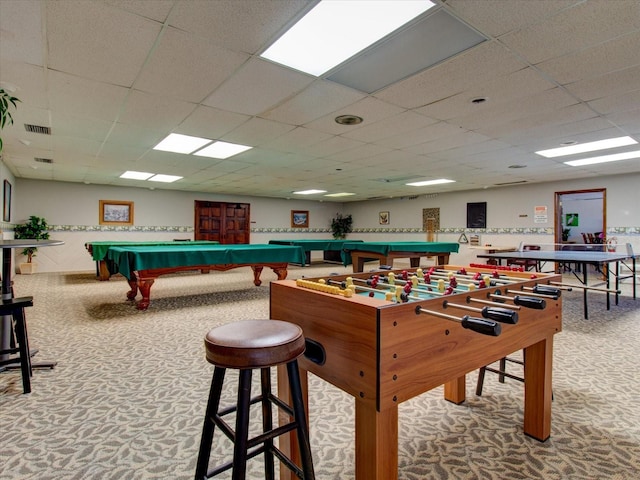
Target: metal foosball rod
x,y
536,294
478,325
440,289
586,287
499,314
496,304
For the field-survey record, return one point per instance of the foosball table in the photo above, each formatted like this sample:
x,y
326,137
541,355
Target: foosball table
x,y
387,336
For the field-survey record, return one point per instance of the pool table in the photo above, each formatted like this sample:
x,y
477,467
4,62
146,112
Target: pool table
x,y
98,250
330,247
358,253
141,265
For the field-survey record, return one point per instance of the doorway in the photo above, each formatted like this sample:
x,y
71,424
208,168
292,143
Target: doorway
x,y
222,222
581,216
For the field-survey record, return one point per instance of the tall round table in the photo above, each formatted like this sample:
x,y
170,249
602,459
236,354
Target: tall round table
x,y
7,254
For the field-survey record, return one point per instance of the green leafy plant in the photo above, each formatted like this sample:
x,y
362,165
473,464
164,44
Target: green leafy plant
x,y
565,234
36,229
341,225
6,100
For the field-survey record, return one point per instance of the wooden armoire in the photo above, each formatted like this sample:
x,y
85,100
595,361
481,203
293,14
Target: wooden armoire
x,y
222,222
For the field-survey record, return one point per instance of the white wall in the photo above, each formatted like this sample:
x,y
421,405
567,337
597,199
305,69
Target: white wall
x,y
72,208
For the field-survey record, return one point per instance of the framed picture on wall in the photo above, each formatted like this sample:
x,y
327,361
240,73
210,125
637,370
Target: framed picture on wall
x,y
477,215
299,218
383,218
116,212
6,211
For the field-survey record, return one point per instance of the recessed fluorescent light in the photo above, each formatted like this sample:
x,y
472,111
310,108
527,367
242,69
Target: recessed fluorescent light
x,y
430,182
164,178
587,147
309,192
603,159
222,150
333,31
136,175
178,143
343,194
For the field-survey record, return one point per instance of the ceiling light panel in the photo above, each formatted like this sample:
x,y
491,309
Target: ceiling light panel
x,y
430,182
164,178
132,175
587,147
309,192
222,150
334,31
604,159
178,143
427,42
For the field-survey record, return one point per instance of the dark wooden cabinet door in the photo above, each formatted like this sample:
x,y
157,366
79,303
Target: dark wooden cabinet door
x,y
222,222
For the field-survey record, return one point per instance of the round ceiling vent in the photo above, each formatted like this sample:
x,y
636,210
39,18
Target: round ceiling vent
x,y
348,120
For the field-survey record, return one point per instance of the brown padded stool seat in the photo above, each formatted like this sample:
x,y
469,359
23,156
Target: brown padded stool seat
x,y
254,344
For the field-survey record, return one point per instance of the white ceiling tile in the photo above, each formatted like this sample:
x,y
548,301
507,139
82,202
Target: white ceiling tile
x,y
479,64
155,111
317,100
572,30
258,86
94,40
398,124
21,32
617,54
257,132
178,52
497,17
211,123
243,26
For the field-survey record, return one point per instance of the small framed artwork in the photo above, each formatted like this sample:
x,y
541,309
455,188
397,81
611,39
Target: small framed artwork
x,y
299,218
383,218
116,212
477,215
6,212
571,219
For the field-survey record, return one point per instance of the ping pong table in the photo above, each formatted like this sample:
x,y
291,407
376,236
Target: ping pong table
x,y
582,256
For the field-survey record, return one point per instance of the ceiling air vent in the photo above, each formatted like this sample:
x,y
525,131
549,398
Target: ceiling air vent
x,y
509,183
37,129
43,160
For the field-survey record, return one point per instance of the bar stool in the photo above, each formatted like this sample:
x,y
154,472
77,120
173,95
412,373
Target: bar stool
x,y
247,345
19,344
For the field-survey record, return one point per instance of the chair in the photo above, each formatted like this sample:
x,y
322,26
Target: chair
x,y
501,372
18,351
526,264
585,238
245,346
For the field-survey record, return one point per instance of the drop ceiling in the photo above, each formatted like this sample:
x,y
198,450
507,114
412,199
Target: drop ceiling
x,y
112,78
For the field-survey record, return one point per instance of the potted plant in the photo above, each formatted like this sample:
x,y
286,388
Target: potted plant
x,y
341,225
565,234
35,229
6,100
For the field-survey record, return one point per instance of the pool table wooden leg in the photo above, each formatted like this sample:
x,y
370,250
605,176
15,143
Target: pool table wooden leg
x,y
257,271
144,285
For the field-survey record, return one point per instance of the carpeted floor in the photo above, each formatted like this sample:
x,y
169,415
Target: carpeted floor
x,y
127,397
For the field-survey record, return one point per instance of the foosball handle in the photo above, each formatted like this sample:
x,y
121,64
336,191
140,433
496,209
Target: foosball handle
x,y
502,315
547,290
480,325
530,302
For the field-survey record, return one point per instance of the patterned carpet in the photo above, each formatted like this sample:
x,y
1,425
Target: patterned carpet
x,y
127,397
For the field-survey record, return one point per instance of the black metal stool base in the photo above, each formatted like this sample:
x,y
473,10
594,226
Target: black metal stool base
x,y
246,448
